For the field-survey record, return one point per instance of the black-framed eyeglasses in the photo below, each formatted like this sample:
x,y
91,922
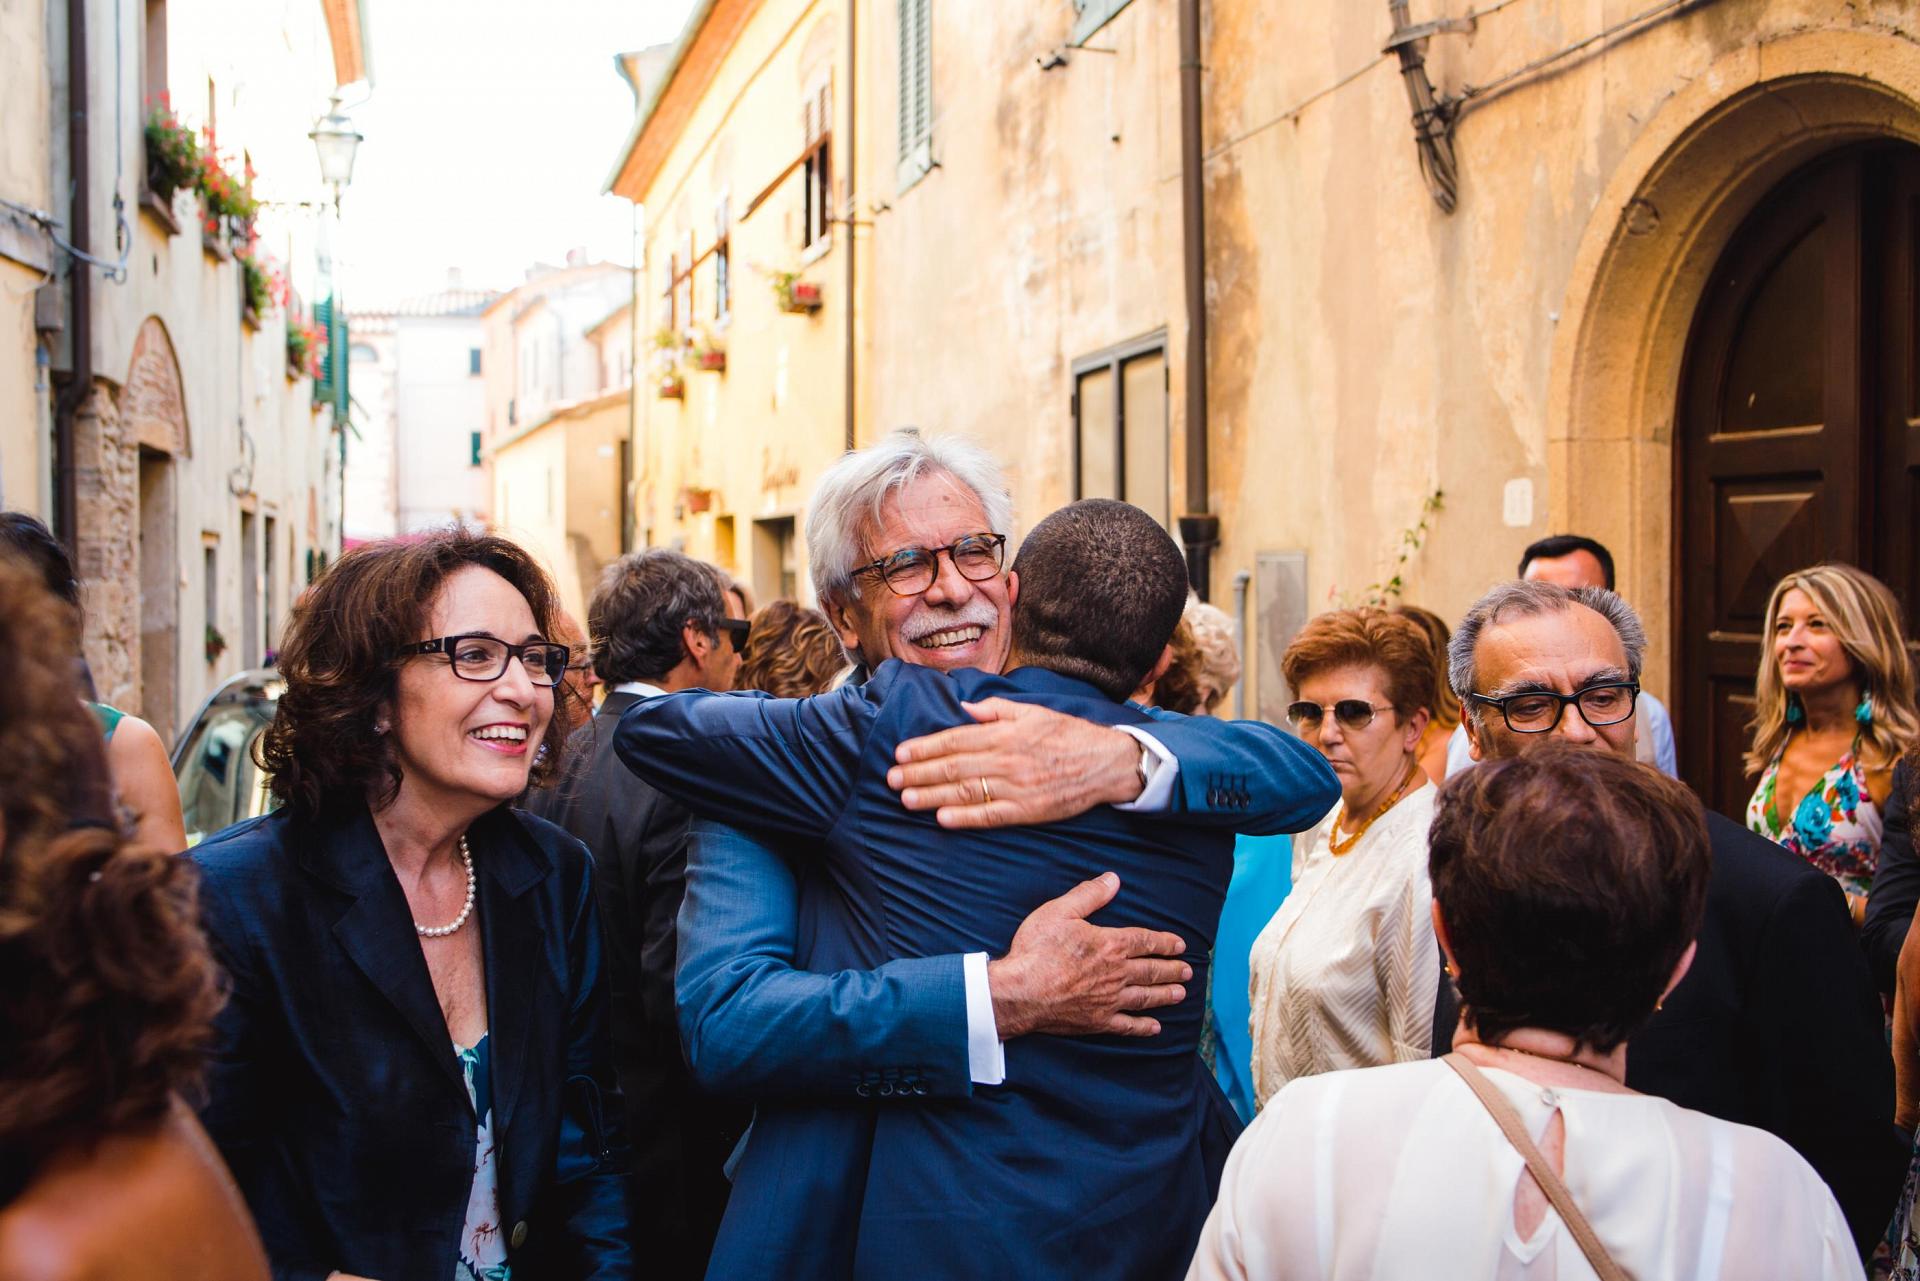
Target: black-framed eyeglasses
x,y
479,657
1352,713
1538,711
911,570
737,630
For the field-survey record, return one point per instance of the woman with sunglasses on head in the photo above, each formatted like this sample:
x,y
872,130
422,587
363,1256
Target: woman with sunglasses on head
x,y
1344,974
413,1077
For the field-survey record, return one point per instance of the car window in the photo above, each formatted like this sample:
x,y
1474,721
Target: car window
x,y
219,782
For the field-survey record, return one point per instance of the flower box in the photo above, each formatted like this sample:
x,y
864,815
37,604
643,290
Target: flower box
x,y
800,298
671,387
710,359
697,500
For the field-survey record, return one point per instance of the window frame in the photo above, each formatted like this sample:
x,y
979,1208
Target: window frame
x,y
722,253
816,168
914,159
1114,359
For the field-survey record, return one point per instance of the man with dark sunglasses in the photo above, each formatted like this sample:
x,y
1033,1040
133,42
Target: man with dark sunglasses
x,y
660,622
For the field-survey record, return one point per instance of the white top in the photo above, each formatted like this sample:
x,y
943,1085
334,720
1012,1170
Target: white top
x,y
1387,1172
1346,972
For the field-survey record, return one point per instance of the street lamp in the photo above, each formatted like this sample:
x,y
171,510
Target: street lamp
x,y
335,139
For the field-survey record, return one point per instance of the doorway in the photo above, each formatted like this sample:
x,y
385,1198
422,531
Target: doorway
x,y
159,593
1798,430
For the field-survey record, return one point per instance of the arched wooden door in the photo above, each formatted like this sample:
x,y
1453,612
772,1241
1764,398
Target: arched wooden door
x,y
1798,432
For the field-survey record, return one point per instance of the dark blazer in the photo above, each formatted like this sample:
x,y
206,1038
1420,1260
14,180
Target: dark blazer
x,y
334,1092
1776,1025
681,1135
1896,884
1098,1156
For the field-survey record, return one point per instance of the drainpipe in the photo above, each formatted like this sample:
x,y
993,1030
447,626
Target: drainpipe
x,y
80,278
1199,528
853,178
629,516
1240,583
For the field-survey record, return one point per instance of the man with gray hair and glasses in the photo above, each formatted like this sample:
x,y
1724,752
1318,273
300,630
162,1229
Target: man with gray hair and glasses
x,y
1777,1024
907,544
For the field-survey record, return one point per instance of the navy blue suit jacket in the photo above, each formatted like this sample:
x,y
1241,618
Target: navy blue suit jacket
x,y
1099,1155
333,1091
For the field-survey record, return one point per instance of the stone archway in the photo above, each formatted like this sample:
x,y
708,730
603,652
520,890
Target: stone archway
x,y
1674,202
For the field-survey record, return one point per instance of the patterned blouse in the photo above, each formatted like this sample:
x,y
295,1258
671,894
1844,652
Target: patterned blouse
x,y
483,1248
1836,826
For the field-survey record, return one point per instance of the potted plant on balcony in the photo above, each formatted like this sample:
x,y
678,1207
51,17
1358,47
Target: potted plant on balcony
x,y
216,644
671,386
709,355
256,286
226,202
304,345
173,164
800,297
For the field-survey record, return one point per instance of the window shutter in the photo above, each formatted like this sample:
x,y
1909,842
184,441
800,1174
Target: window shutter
x,y
916,90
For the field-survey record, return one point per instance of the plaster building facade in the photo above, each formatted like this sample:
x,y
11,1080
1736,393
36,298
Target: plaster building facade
x,y
1643,272
414,456
175,440
558,422
736,161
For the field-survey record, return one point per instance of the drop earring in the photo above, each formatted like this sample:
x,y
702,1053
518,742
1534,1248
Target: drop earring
x,y
380,727
1864,713
1795,713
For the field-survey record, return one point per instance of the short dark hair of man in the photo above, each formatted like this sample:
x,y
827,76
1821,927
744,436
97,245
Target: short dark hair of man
x,y
1554,546
342,656
1101,590
640,606
1571,882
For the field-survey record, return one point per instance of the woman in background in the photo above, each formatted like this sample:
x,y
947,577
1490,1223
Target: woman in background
x,y
792,652
1834,712
1206,665
143,778
1446,705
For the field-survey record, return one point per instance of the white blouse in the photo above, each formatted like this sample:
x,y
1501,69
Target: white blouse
x,y
1346,973
1391,1171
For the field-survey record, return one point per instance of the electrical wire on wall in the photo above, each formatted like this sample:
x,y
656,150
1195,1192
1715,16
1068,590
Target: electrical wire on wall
x,y
1432,114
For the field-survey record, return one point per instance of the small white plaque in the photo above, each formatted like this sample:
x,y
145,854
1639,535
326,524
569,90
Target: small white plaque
x,y
1516,503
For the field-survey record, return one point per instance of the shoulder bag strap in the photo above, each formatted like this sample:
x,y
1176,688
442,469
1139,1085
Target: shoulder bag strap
x,y
1542,1170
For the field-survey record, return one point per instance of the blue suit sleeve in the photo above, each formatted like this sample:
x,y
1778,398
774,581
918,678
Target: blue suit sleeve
x,y
754,1025
782,764
1244,775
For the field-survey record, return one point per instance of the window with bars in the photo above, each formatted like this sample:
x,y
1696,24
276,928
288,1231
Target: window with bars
x,y
916,91
816,167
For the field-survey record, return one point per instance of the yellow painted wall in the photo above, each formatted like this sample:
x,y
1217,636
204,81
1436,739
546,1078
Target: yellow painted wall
x,y
556,492
758,435
25,118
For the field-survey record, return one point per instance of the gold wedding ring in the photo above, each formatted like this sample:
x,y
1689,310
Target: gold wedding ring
x,y
986,793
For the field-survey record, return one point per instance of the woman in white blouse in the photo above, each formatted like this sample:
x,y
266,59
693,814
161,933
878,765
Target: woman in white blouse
x,y
1568,885
1344,974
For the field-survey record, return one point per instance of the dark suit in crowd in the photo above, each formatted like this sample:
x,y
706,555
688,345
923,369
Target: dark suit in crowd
x,y
1896,883
1776,1025
681,1136
334,1092
1098,1156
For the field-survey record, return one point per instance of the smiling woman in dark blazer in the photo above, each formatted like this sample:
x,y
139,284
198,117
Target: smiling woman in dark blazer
x,y
412,1080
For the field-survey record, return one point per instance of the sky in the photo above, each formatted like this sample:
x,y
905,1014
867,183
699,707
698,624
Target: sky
x,y
490,128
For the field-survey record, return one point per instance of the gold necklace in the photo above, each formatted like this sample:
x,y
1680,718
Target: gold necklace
x,y
1334,845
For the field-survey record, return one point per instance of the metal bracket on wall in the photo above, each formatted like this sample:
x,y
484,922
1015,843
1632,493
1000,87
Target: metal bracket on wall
x,y
1433,114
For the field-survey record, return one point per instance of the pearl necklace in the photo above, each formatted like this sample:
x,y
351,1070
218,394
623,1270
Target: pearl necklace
x,y
466,910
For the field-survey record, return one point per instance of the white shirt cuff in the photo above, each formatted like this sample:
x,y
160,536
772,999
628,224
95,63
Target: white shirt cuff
x,y
1161,769
986,1055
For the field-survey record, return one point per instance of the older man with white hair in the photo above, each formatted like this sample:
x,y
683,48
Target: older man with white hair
x,y
907,541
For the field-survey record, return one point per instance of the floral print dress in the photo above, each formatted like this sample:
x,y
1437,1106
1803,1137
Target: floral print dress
x,y
1836,827
483,1248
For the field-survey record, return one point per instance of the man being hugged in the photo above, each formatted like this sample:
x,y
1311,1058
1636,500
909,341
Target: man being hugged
x,y
1097,1155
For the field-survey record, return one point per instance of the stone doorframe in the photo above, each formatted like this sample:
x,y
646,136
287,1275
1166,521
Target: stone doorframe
x,y
1701,164
146,414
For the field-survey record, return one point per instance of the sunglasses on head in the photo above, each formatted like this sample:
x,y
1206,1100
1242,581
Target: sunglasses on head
x,y
1352,713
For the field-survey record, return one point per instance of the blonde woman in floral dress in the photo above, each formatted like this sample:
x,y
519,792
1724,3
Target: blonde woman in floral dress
x,y
1835,710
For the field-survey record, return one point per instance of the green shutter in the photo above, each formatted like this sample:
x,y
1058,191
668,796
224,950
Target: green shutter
x,y
916,91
